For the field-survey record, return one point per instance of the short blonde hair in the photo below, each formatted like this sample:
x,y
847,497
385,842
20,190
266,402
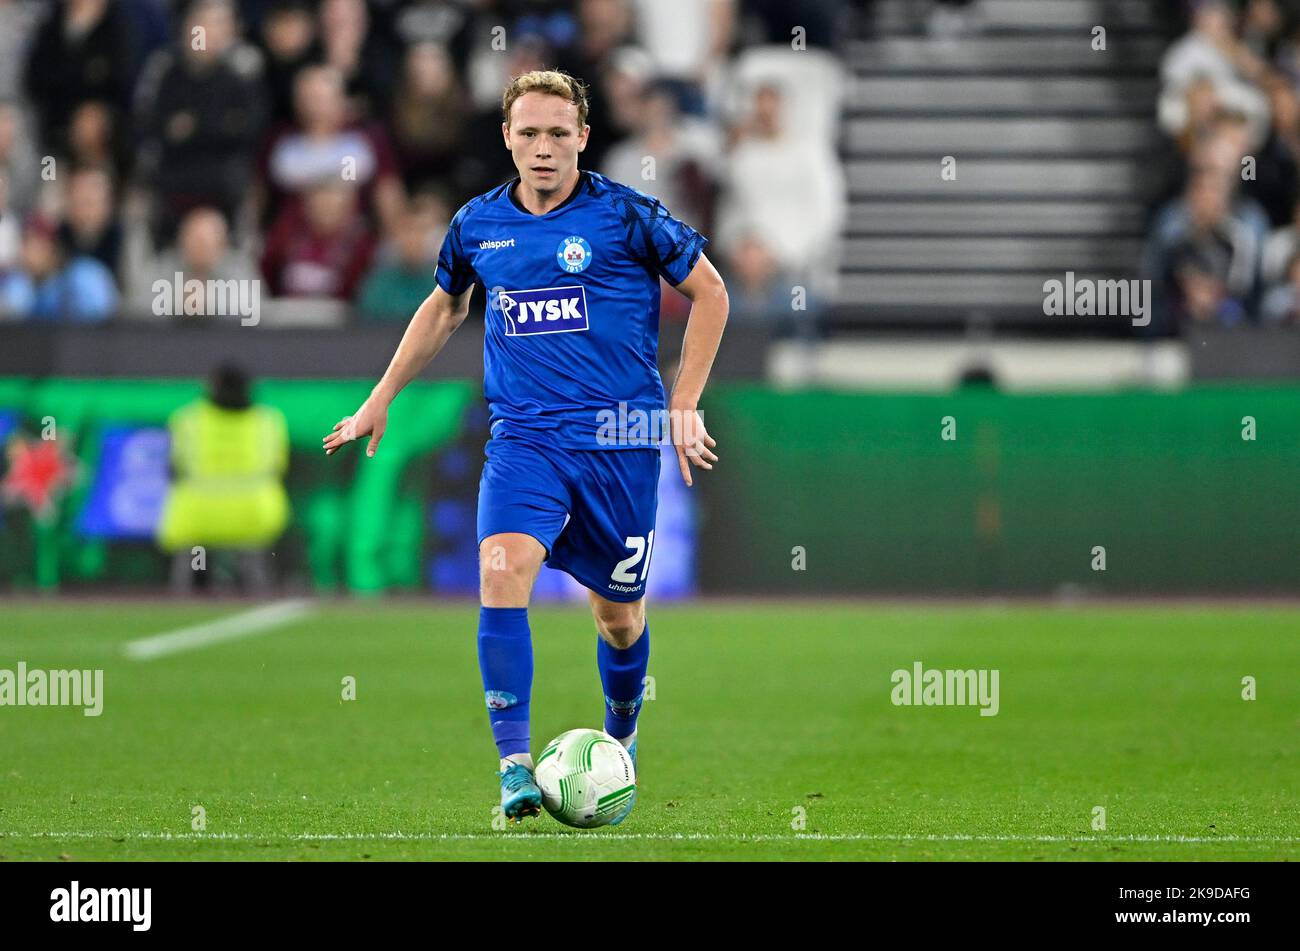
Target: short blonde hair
x,y
552,82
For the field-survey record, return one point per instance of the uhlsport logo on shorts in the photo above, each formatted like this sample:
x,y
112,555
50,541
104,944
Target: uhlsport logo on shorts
x,y
574,254
543,310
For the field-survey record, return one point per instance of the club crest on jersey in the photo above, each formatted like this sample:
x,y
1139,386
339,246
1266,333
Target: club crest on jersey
x,y
574,254
543,310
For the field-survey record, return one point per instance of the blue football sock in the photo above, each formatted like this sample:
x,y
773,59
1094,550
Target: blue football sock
x,y
505,659
622,674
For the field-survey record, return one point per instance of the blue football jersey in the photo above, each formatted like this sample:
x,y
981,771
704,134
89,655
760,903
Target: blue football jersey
x,y
572,312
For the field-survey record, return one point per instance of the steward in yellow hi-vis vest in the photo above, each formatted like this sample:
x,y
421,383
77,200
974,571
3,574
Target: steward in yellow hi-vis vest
x,y
229,458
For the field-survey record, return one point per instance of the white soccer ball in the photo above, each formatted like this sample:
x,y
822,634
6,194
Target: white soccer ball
x,y
586,778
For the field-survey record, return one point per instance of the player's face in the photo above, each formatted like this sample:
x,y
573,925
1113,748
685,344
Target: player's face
x,y
544,140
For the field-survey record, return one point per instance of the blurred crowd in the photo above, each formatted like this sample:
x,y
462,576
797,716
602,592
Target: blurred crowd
x,y
322,146
1223,244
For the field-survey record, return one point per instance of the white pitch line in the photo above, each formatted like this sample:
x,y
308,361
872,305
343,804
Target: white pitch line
x,y
245,624
640,836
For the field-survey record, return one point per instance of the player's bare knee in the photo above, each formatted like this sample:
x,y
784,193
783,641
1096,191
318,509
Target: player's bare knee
x,y
503,587
506,572
620,625
503,591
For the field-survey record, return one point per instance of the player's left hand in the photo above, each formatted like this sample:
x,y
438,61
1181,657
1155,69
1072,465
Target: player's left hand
x,y
691,440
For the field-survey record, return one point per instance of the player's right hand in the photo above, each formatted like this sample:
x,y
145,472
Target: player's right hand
x,y
370,420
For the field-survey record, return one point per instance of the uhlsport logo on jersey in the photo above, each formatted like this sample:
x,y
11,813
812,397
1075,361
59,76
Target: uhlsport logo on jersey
x,y
543,310
574,254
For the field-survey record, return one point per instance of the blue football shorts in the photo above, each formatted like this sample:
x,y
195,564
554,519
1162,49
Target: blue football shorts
x,y
592,510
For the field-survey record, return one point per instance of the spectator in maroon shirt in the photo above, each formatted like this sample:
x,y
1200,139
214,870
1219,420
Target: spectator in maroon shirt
x,y
325,143
321,246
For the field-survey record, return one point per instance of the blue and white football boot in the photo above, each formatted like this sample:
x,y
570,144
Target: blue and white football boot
x,y
631,802
520,795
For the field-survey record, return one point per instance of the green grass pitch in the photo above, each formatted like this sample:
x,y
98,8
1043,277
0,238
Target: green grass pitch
x,y
761,713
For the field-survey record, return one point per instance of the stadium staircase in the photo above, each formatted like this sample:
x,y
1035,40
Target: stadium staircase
x,y
1051,141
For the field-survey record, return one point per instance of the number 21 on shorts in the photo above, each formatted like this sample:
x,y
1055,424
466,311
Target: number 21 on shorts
x,y
641,546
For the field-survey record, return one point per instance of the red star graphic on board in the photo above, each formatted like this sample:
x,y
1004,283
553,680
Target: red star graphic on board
x,y
38,473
